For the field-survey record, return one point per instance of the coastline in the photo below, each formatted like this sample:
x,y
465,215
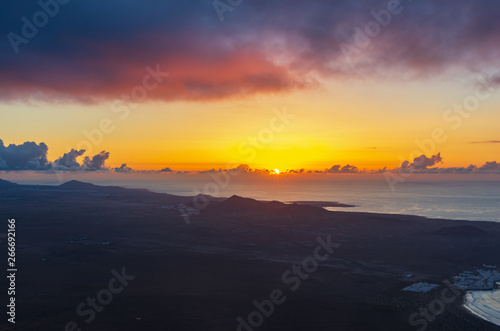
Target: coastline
x,y
233,252
484,304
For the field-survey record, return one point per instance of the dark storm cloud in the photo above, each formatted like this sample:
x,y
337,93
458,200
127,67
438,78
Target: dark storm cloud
x,y
33,156
123,169
27,156
68,160
342,169
422,162
490,166
97,162
98,50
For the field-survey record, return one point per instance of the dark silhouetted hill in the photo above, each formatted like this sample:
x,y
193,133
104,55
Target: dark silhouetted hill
x,y
7,184
461,231
237,204
75,185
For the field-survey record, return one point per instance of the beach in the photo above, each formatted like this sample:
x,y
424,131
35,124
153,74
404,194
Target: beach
x,y
485,304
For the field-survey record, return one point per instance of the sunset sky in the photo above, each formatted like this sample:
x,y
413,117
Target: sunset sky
x,y
365,83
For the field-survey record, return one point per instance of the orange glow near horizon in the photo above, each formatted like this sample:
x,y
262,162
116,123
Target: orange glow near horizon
x,y
327,129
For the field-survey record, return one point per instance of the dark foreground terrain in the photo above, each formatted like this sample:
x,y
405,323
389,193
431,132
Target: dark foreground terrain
x,y
206,274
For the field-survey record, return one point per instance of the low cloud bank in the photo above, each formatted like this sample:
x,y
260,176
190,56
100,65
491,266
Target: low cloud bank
x,y
33,156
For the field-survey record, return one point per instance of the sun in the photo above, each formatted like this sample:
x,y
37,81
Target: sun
x,y
275,172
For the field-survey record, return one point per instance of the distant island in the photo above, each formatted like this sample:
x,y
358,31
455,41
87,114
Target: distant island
x,y
323,204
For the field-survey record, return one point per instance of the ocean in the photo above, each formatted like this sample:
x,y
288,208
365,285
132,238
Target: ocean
x,y
469,200
461,197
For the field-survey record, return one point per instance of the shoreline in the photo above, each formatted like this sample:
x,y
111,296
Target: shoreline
x,y
484,304
346,208
232,253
